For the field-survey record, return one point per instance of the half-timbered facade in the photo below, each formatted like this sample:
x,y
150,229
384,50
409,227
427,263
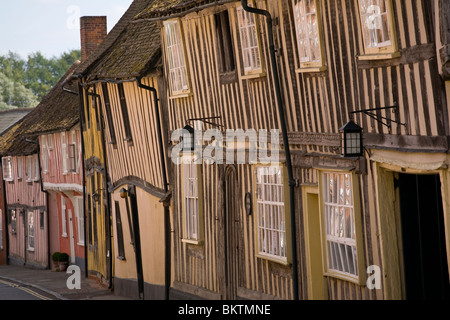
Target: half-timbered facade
x,y
122,73
381,65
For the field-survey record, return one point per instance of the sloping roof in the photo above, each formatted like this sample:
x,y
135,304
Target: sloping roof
x,y
129,50
58,111
159,8
11,116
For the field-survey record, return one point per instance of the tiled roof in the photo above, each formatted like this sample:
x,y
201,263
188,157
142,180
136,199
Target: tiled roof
x,y
58,111
11,116
129,50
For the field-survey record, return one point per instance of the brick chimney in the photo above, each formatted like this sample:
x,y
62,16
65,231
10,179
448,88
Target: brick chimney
x,y
93,31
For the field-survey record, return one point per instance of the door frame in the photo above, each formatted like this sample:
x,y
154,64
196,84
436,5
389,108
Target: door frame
x,y
316,281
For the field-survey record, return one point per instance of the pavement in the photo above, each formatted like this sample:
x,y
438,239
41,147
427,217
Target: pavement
x,y
53,284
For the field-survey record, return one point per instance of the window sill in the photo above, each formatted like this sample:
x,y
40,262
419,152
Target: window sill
x,y
180,95
345,277
380,56
272,258
254,75
30,249
194,242
311,69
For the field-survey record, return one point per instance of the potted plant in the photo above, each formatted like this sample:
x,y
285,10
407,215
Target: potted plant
x,y
60,261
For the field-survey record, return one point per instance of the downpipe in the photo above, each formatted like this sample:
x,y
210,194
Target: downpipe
x,y
287,151
167,240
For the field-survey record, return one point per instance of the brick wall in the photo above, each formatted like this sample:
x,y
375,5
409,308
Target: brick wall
x,y
93,31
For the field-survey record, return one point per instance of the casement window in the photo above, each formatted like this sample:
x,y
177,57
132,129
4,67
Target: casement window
x,y
109,117
125,115
41,220
19,168
309,35
29,169
8,173
72,152
176,59
36,169
340,213
65,153
63,217
250,43
44,154
378,29
193,231
80,221
226,60
271,224
30,231
13,221
119,231
1,229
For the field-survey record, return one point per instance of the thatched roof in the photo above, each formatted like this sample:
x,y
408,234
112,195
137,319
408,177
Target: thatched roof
x,y
58,111
129,50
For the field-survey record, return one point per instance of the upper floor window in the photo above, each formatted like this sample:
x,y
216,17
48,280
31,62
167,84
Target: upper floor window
x,y
32,168
44,154
377,25
270,213
8,174
176,57
125,114
224,42
308,31
69,151
251,51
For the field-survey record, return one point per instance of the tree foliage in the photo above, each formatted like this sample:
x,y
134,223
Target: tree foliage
x,y
24,82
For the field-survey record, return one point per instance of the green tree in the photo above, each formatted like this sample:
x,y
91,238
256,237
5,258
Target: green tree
x,y
14,94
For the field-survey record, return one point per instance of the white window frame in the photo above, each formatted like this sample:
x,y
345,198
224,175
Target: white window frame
x,y
8,172
176,58
63,217
19,167
29,168
251,52
375,17
31,232
44,154
341,226
271,223
192,201
36,173
50,142
308,29
65,153
72,153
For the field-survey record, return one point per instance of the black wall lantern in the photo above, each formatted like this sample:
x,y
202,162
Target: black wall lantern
x,y
352,139
188,138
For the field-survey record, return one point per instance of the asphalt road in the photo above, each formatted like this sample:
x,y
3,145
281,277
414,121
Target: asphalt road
x,y
12,291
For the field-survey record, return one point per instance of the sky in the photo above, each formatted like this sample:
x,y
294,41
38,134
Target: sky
x,y
50,26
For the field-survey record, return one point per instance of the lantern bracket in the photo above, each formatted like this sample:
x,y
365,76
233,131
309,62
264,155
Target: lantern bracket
x,y
207,120
380,118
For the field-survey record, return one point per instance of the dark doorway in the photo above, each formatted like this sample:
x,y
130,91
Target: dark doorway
x,y
423,237
231,231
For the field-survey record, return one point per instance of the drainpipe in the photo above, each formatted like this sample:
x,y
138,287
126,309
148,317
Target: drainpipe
x,y
166,189
5,219
287,151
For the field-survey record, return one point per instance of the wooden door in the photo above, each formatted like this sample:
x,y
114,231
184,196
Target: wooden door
x,y
231,232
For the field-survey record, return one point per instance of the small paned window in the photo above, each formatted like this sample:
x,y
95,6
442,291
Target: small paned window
x,y
251,53
340,227
176,59
8,174
109,117
191,200
30,231
270,209
224,42
125,116
377,25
